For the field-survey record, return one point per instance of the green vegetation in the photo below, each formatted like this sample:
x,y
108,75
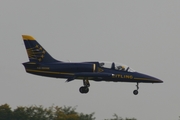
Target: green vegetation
x,y
116,117
51,113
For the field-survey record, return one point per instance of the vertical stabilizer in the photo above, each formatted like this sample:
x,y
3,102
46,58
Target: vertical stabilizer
x,y
35,51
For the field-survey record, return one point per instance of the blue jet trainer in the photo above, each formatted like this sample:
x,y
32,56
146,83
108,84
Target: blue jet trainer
x,y
41,63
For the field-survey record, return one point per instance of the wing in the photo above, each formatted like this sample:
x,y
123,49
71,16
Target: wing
x,y
92,76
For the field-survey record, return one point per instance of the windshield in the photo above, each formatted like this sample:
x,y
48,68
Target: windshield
x,y
116,66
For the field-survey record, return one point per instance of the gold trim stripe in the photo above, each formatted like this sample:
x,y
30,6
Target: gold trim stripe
x,y
31,63
27,37
94,67
143,79
40,71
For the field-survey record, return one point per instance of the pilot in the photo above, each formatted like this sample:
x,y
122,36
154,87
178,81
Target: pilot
x,y
121,68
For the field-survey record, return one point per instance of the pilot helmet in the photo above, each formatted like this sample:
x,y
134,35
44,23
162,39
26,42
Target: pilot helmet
x,y
121,68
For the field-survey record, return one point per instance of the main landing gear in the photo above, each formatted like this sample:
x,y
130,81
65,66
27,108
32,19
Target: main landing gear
x,y
85,88
135,92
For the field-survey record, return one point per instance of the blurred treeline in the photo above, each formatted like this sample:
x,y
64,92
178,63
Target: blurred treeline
x,y
51,113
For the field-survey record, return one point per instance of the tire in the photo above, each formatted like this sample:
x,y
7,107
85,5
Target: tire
x,y
135,92
83,89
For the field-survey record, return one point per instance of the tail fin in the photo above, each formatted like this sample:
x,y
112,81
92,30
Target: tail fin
x,y
35,51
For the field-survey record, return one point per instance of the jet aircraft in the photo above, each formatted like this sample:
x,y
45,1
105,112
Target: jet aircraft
x,y
43,64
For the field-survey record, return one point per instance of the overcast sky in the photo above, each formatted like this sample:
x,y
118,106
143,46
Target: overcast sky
x,y
145,35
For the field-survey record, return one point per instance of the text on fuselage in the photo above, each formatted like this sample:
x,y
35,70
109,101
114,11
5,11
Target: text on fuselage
x,y
43,68
122,76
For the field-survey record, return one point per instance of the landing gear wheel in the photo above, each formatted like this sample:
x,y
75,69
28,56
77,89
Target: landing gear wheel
x,y
83,89
135,92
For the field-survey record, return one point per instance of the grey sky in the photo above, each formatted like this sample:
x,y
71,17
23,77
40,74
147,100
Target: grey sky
x,y
142,34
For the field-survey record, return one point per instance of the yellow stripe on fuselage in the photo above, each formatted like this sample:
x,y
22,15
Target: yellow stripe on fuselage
x,y
143,79
94,67
27,37
50,72
31,63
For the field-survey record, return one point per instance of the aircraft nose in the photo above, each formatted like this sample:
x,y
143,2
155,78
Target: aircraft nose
x,y
159,81
147,78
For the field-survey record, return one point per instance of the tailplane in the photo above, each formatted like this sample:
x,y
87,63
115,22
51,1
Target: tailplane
x,y
35,51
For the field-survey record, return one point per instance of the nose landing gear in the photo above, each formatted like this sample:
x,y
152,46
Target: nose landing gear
x,y
135,92
85,88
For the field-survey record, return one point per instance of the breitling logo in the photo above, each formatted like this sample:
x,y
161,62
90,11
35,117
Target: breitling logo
x,y
36,53
122,76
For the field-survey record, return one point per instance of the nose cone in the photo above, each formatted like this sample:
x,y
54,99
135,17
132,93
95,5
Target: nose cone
x,y
158,81
146,78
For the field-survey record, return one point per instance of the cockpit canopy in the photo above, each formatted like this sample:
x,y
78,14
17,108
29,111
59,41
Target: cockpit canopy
x,y
116,66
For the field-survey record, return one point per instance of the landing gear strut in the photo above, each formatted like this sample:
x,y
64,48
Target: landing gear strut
x,y
85,88
135,92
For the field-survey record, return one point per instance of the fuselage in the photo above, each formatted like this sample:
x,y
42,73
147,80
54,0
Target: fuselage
x,y
86,70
